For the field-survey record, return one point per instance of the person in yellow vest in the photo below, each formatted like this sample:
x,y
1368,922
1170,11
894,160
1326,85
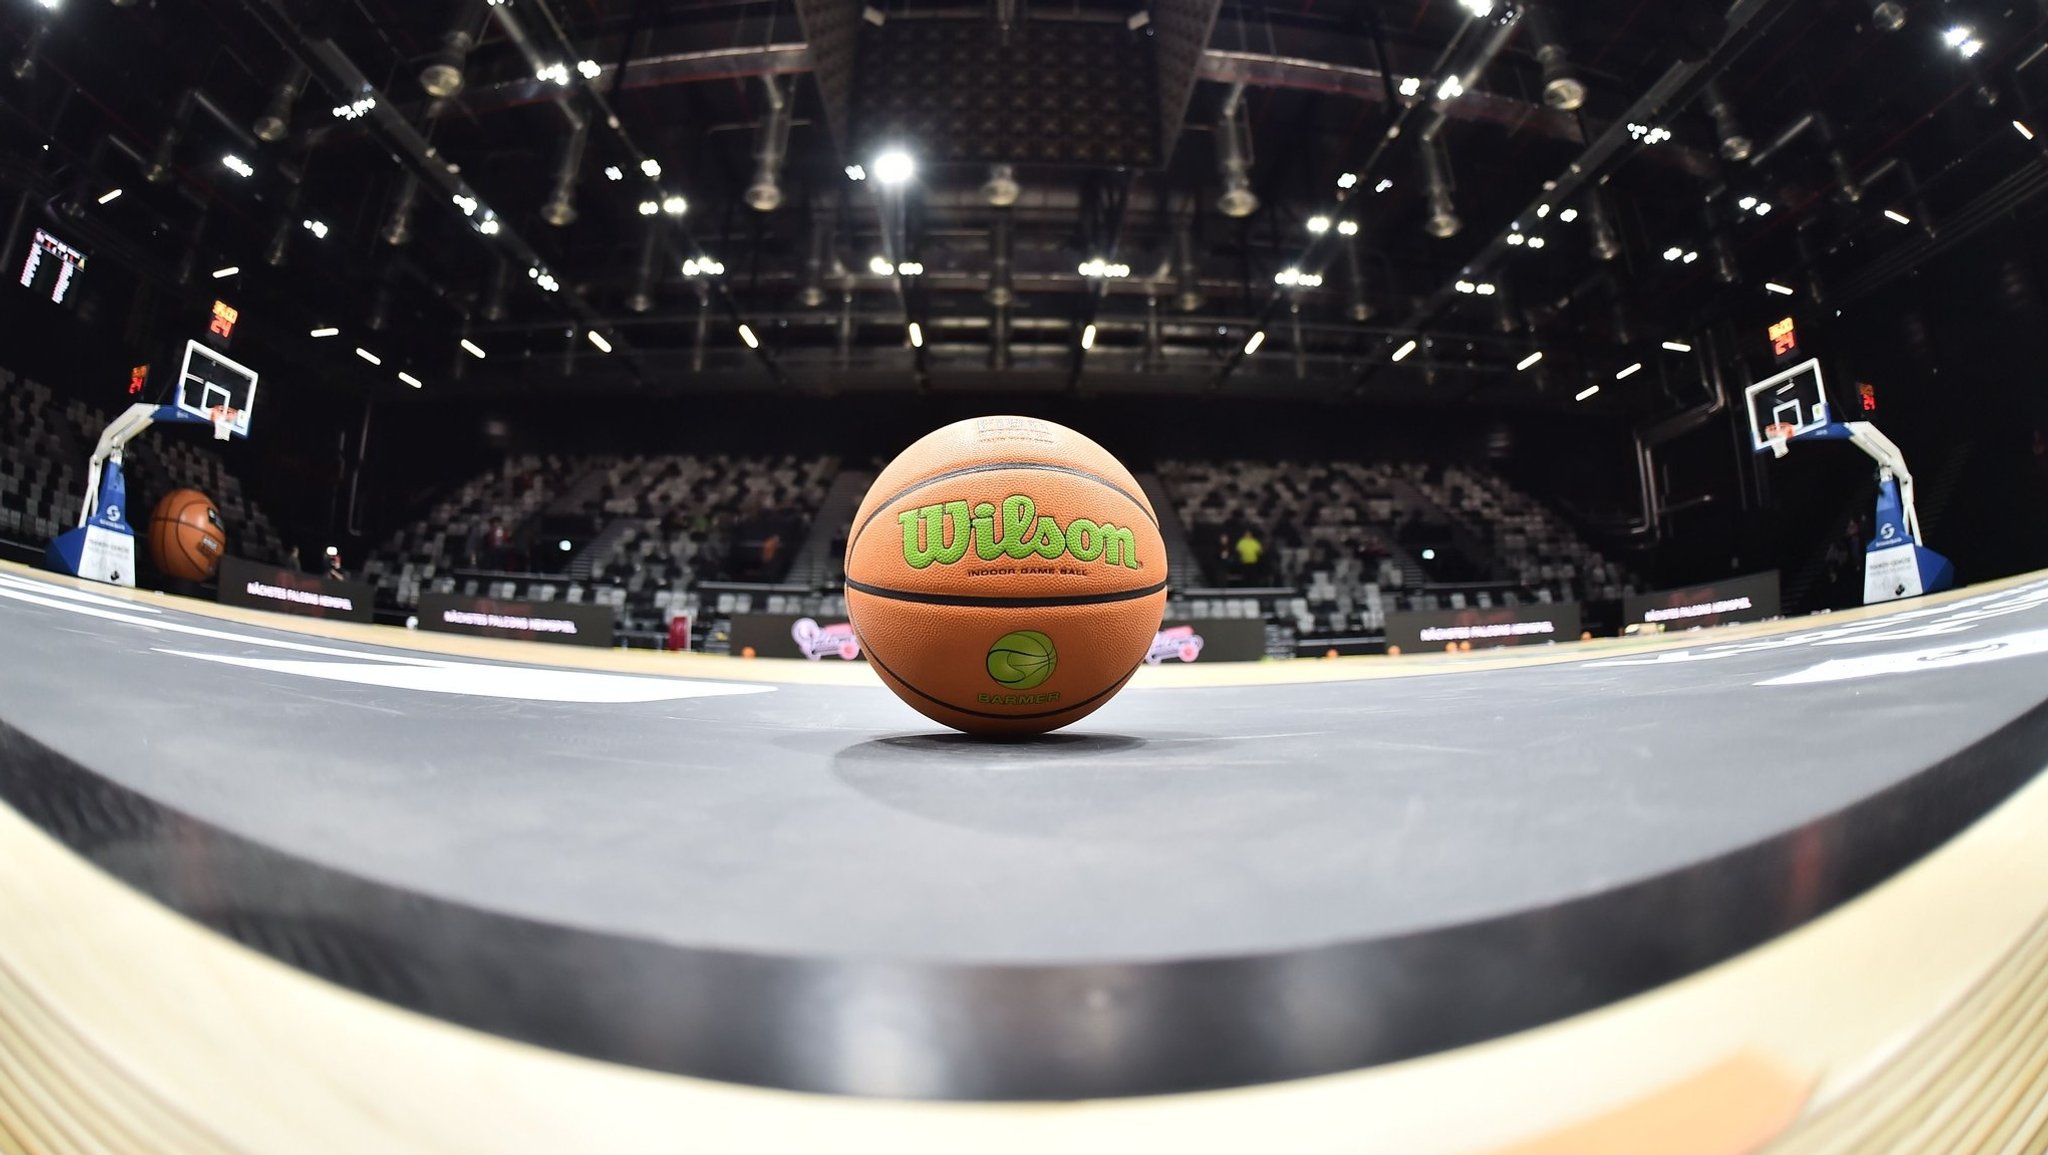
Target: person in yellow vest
x,y
1249,551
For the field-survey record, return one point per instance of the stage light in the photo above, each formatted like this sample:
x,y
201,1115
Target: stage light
x,y
317,228
1775,287
1347,180
894,167
1466,287
1296,279
1530,360
1487,289
1319,224
1536,242
366,355
2021,128
1673,253
674,206
1347,228
564,545
1629,372
1678,346
1763,208
1252,346
911,268
1428,555
231,270
856,172
880,266
472,348
614,172
1588,391
489,227
1746,203
1088,337
1517,239
1411,85
597,339
1383,186
1568,215
1478,8
1542,211
1401,354
649,208
1691,255
747,335
1451,89
110,196
651,168
917,335
408,378
588,69
1898,217
238,166
328,331
703,267
1097,267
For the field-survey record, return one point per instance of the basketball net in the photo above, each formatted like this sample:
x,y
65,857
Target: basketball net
x,y
223,421
1780,437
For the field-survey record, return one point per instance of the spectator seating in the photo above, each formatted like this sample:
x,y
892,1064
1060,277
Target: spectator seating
x,y
1530,544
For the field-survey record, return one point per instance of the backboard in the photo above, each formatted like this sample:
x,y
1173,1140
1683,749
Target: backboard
x,y
208,381
1796,397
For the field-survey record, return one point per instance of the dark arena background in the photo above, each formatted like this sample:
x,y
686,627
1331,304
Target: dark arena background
x,y
1601,452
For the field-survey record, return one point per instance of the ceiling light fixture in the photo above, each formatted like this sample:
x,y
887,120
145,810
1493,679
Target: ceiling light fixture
x,y
489,227
1898,217
1347,180
1383,186
856,172
880,266
1530,360
317,228
1401,354
917,335
328,331
911,268
366,355
1347,228
2020,127
649,208
231,270
238,166
1252,346
1319,224
1411,85
747,335
1536,242
1568,215
408,378
472,348
674,206
1478,8
1588,391
1451,89
1775,287
597,339
110,196
614,172
1629,372
1088,337
651,168
588,69
894,167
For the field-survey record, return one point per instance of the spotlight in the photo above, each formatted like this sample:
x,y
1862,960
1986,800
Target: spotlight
x,y
880,266
366,355
911,268
1536,242
1691,255
1673,253
1411,86
441,77
674,206
409,379
489,227
1746,203
916,335
1678,346
588,69
1001,189
1529,361
1588,391
564,545
1568,215
1088,337
856,172
1428,555
1517,239
894,167
1383,186
1451,89
1319,224
598,339
1488,288
1478,8
317,228
613,172
1888,15
1401,354
1763,208
1347,180
1252,346
1629,372
1466,287
649,208
1775,287
1234,161
651,168
472,348
1347,228
747,335
1955,36
238,166
328,331
1736,146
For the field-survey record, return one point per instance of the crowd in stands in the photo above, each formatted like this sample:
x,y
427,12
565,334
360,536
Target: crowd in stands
x,y
45,443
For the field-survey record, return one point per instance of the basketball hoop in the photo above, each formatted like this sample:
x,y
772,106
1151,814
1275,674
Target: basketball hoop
x,y
223,421
1780,436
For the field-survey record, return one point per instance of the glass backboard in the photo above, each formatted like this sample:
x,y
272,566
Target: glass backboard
x,y
209,381
1796,400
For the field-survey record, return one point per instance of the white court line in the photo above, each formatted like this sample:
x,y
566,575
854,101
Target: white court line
x,y
50,590
217,635
522,683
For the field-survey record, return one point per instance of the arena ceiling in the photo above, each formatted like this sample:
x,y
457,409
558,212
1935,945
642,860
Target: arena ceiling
x,y
1407,199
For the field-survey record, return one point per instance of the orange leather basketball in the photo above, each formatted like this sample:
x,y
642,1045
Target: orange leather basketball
x,y
1005,575
186,537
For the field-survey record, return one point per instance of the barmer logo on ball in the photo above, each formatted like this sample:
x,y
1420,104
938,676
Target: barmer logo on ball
x,y
940,534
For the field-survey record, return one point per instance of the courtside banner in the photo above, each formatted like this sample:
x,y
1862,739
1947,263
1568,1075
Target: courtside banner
x,y
1745,599
269,587
527,621
1208,640
1421,631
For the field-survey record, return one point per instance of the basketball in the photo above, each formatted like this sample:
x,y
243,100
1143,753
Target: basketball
x,y
185,536
1005,575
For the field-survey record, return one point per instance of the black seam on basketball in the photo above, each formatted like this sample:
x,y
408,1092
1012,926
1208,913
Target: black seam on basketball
x,y
964,471
925,599
1113,688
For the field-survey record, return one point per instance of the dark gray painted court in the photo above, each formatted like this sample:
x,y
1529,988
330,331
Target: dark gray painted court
x,y
811,887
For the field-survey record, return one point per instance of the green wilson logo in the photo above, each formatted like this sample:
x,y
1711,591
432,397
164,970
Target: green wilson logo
x,y
941,534
1022,660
